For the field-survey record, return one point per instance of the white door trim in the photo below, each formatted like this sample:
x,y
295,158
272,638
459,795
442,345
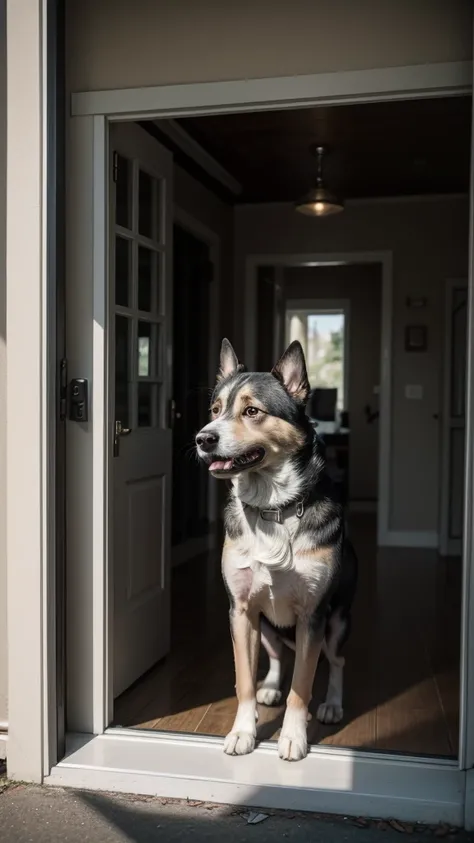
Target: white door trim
x,y
30,400
352,86
89,692
385,400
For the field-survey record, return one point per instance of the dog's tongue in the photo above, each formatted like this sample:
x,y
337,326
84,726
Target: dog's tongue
x,y
220,465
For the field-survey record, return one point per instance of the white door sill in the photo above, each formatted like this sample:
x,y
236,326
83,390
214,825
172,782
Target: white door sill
x,y
329,780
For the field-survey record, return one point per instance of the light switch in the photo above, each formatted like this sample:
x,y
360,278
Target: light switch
x,y
414,391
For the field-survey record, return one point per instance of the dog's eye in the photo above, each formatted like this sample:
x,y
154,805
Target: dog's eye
x,y
251,411
215,411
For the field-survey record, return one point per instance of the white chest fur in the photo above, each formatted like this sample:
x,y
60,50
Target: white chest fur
x,y
268,568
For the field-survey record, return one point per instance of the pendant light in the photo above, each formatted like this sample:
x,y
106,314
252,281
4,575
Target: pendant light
x,y
319,201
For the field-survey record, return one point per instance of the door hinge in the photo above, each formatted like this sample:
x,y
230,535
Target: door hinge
x,y
115,166
63,389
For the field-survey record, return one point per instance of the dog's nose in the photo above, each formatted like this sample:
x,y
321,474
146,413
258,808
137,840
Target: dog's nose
x,y
207,441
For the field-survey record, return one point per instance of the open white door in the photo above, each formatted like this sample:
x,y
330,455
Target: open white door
x,y
454,420
140,383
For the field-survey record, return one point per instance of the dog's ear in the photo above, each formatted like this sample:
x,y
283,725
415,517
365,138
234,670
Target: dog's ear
x,y
229,363
291,372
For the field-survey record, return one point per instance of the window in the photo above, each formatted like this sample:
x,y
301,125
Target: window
x,y
322,331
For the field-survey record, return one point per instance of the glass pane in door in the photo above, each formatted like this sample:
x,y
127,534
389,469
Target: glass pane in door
x,y
122,369
145,404
146,259
123,192
145,204
123,254
144,349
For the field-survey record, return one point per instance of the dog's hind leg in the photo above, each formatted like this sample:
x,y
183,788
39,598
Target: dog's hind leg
x,y
269,692
331,710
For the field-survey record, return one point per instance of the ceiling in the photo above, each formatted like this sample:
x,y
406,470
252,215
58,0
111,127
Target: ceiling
x,y
401,148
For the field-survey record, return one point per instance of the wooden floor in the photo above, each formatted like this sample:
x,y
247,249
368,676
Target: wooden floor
x,y
402,674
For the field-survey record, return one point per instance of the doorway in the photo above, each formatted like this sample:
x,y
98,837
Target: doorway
x,y
325,754
192,690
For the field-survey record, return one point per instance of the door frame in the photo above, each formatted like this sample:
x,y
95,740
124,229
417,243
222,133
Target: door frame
x,y
447,546
339,780
385,537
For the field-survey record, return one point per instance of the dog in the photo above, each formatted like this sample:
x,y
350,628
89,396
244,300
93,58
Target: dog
x,y
289,569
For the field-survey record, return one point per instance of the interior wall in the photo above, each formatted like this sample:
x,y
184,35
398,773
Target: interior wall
x,y
132,43
3,555
428,239
360,284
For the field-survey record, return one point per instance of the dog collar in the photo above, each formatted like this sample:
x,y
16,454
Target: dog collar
x,y
276,515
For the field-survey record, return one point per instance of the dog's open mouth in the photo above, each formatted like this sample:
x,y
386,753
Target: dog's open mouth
x,y
248,460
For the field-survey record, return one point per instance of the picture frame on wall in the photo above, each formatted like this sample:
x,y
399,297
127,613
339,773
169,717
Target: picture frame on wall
x,y
416,338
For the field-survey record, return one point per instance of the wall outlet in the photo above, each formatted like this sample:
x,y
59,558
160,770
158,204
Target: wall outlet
x,y
414,391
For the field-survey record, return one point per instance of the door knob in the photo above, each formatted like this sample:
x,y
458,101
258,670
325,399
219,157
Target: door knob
x,y
120,430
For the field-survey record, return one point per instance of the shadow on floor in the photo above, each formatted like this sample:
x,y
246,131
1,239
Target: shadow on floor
x,y
402,659
54,815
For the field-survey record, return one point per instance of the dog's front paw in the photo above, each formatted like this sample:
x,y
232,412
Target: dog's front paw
x,y
239,743
292,747
328,713
268,696
293,742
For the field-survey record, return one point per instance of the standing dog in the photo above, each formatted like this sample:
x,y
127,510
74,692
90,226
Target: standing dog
x,y
287,566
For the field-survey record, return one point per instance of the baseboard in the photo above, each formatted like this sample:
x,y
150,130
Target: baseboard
x,y
194,547
363,506
410,538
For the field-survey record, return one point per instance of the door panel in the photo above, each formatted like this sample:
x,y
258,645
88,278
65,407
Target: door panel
x,y
140,379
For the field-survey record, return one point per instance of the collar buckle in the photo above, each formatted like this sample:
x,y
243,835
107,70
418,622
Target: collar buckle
x,y
276,515
271,515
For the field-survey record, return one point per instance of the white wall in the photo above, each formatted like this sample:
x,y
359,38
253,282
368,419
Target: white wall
x,y
429,242
361,285
129,43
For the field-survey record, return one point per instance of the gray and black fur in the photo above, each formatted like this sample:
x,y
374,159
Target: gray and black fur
x,y
289,568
